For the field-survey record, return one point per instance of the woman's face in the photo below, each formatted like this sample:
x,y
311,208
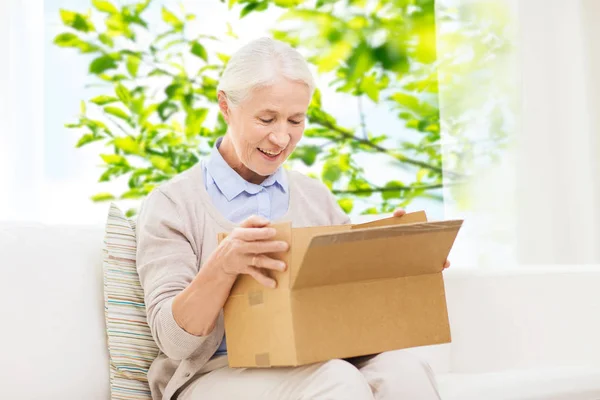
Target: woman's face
x,y
265,128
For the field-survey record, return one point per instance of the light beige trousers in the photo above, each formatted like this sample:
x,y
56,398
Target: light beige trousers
x,y
393,375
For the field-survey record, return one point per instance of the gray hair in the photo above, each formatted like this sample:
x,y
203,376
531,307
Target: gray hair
x,y
259,63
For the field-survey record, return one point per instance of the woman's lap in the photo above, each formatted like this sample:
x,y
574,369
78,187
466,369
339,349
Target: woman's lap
x,y
398,375
394,375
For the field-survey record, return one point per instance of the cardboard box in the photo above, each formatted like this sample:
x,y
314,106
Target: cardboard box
x,y
348,291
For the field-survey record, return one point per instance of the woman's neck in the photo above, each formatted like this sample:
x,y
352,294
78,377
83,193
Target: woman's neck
x,y
231,158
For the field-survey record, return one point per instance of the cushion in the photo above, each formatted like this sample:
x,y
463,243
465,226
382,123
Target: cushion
x,y
131,347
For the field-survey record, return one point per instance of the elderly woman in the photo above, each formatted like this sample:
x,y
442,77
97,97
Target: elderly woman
x,y
241,188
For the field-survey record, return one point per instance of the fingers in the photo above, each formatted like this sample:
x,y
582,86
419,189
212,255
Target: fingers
x,y
262,261
446,264
255,221
254,228
253,234
265,246
257,266
261,278
399,212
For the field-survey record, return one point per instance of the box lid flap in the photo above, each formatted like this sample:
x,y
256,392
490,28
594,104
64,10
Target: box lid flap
x,y
376,253
301,238
409,218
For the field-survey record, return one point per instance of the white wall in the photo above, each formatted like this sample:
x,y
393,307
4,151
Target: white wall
x,y
22,106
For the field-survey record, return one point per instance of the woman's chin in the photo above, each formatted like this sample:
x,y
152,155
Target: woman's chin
x,y
266,166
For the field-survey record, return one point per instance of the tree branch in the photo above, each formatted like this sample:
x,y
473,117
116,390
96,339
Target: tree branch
x,y
361,115
348,135
114,121
388,189
163,70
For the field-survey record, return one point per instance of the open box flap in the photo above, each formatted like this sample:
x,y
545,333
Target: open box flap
x,y
301,238
376,253
409,218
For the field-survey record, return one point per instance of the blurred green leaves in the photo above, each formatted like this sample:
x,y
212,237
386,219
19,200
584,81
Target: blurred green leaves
x,y
77,21
102,64
72,40
198,50
103,197
105,6
308,154
117,112
103,100
157,116
253,6
133,65
172,19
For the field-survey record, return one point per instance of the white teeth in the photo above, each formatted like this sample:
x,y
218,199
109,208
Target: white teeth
x,y
269,152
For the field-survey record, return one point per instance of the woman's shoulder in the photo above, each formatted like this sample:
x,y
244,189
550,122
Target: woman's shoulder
x,y
180,193
308,184
316,200
183,185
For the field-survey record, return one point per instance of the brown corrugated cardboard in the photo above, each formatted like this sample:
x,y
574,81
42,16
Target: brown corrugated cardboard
x,y
349,290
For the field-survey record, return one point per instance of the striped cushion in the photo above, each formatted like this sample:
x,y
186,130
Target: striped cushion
x,y
130,345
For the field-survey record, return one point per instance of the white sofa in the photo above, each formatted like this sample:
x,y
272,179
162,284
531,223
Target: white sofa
x,y
523,334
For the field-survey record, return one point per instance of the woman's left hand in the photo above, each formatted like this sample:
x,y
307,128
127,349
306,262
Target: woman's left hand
x,y
400,212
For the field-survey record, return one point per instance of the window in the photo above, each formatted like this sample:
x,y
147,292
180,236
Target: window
x,y
517,127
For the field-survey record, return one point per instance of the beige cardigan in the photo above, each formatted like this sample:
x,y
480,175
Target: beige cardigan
x,y
177,230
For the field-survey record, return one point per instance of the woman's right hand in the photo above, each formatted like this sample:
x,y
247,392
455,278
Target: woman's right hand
x,y
245,249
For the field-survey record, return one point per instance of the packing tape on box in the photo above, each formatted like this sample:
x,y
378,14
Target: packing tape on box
x,y
262,360
255,298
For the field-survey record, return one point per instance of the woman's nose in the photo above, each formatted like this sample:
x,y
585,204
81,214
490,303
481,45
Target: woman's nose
x,y
279,138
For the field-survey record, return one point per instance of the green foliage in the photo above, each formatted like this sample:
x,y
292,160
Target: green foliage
x,y
384,54
102,64
105,6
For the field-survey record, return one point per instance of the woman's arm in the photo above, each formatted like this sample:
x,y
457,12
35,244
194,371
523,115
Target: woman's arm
x,y
166,264
183,303
242,252
209,289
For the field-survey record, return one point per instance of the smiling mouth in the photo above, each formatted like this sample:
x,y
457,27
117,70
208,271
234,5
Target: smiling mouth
x,y
270,153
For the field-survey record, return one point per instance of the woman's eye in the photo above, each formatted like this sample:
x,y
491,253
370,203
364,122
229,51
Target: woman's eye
x,y
296,122
266,121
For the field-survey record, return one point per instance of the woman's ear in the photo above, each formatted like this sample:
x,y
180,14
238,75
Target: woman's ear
x,y
223,105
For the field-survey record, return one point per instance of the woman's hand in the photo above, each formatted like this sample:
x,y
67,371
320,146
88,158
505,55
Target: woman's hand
x,y
400,212
244,251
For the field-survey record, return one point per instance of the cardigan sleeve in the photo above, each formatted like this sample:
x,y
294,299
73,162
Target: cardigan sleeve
x,y
166,264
